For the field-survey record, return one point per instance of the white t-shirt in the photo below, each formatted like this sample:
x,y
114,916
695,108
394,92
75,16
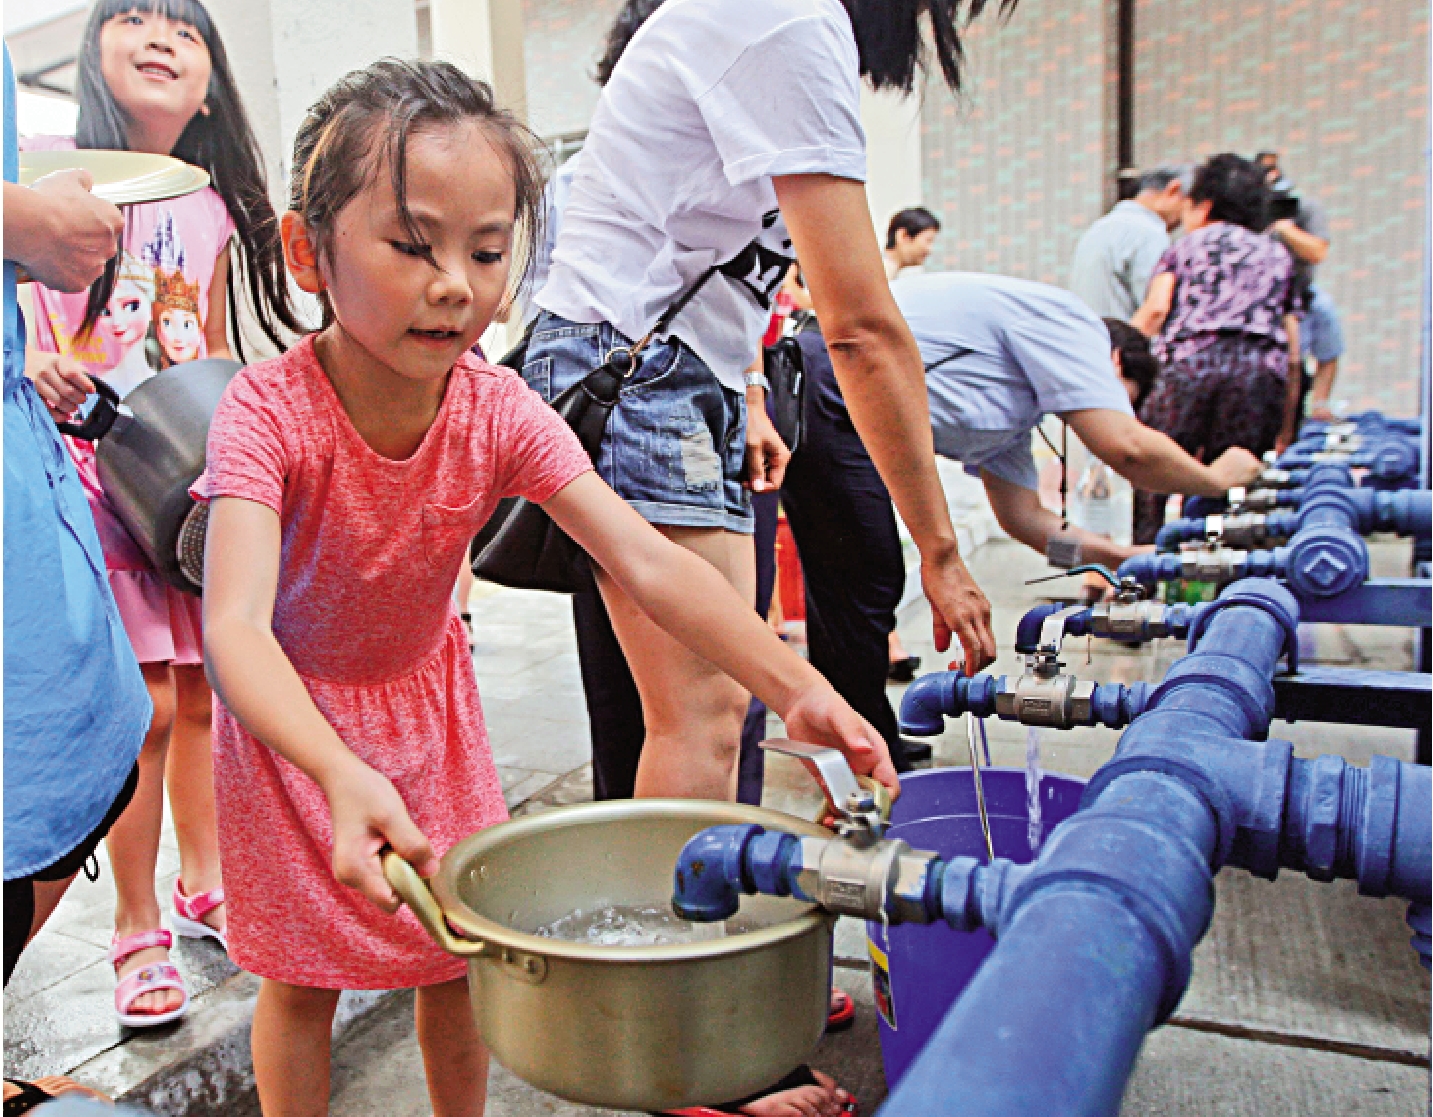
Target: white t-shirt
x,y
711,99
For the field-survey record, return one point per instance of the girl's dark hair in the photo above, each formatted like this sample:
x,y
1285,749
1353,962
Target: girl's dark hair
x,y
1236,187
363,124
221,142
1137,363
629,21
913,222
892,46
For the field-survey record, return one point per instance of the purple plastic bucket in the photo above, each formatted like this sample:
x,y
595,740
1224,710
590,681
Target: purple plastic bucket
x,y
927,966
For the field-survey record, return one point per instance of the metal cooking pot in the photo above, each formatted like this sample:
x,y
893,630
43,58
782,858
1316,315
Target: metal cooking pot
x,y
150,449
631,1027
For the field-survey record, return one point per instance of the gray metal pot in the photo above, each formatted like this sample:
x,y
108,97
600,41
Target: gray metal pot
x,y
640,1027
150,449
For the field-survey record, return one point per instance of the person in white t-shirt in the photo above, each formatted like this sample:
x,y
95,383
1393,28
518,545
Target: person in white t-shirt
x,y
729,134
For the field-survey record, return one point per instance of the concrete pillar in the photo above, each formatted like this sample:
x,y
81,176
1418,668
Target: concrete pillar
x,y
485,38
893,154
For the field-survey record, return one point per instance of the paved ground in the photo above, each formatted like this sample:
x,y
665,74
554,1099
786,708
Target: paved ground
x,y
1306,997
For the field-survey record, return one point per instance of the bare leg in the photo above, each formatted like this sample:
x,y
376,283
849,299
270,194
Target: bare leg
x,y
693,711
48,894
291,1042
133,842
189,775
455,1062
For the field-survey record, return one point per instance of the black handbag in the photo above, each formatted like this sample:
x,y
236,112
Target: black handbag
x,y
785,370
520,547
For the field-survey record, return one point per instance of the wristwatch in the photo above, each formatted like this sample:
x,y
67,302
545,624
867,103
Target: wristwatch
x,y
757,380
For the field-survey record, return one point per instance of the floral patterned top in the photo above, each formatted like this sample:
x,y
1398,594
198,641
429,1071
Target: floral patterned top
x,y
1227,280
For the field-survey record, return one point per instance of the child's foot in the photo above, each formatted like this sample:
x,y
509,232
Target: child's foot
x,y
150,991
201,916
825,1099
805,1092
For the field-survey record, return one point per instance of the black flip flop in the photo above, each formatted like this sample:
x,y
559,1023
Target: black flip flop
x,y
903,670
27,1099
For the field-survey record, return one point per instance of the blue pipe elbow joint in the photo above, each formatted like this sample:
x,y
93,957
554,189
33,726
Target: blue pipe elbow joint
x,y
722,862
932,698
1027,632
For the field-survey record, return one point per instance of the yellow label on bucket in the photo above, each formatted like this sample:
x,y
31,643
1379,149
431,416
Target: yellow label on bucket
x,y
881,984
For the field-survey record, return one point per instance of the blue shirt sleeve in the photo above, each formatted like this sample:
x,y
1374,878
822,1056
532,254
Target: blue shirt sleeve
x,y
1066,358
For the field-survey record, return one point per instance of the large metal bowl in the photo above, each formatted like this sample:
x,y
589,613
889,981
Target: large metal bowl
x,y
648,1027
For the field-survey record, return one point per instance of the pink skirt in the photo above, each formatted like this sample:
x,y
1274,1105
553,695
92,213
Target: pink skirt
x,y
163,623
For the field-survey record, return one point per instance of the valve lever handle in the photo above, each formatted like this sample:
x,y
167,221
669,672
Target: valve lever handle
x,y
827,765
1052,631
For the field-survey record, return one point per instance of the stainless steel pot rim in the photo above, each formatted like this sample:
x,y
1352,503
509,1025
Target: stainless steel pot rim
x,y
470,925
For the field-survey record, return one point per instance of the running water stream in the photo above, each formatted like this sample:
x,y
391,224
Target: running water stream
x,y
1032,790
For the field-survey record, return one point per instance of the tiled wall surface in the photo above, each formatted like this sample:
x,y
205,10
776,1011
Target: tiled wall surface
x,y
563,39
1340,88
1015,167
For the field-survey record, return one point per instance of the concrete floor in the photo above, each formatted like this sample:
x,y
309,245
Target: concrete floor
x,y
1305,1000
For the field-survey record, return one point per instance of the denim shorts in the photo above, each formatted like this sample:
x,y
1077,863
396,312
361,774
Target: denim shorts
x,y
675,446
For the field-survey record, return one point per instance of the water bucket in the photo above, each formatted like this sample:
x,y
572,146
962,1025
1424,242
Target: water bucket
x,y
919,970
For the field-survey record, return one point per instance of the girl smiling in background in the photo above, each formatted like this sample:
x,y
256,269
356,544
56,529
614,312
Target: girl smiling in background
x,y
153,76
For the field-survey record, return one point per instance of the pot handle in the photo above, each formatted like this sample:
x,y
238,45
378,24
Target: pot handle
x,y
101,417
413,890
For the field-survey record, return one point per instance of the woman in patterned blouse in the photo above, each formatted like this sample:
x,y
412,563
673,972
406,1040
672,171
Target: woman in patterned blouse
x,y
1219,316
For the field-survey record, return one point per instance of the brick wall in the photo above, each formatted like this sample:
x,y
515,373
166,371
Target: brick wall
x,y
1015,169
1340,88
562,41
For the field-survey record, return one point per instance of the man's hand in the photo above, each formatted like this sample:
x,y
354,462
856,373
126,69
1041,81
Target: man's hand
x,y
1235,467
62,382
958,608
69,237
1320,409
766,454
368,814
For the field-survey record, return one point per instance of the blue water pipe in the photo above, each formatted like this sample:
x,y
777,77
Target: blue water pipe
x,y
1392,462
1407,513
1094,939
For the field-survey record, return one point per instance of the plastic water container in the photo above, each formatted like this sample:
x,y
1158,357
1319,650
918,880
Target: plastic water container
x,y
920,969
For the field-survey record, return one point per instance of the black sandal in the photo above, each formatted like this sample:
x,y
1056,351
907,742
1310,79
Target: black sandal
x,y
903,670
27,1099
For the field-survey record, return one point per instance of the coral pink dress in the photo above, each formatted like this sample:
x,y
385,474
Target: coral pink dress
x,y
371,549
155,318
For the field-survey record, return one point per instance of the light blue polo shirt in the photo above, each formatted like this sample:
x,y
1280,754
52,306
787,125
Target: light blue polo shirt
x,y
1000,354
76,709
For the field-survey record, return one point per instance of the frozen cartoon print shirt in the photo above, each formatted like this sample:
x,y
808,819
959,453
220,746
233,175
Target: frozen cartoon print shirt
x,y
156,316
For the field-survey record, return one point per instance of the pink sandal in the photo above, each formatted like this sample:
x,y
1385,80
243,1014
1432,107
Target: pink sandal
x,y
189,913
146,979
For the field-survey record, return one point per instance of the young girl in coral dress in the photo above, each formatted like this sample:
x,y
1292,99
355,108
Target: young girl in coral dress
x,y
346,480
153,77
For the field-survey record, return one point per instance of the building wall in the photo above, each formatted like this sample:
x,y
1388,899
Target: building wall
x,y
1340,89
1015,168
562,41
